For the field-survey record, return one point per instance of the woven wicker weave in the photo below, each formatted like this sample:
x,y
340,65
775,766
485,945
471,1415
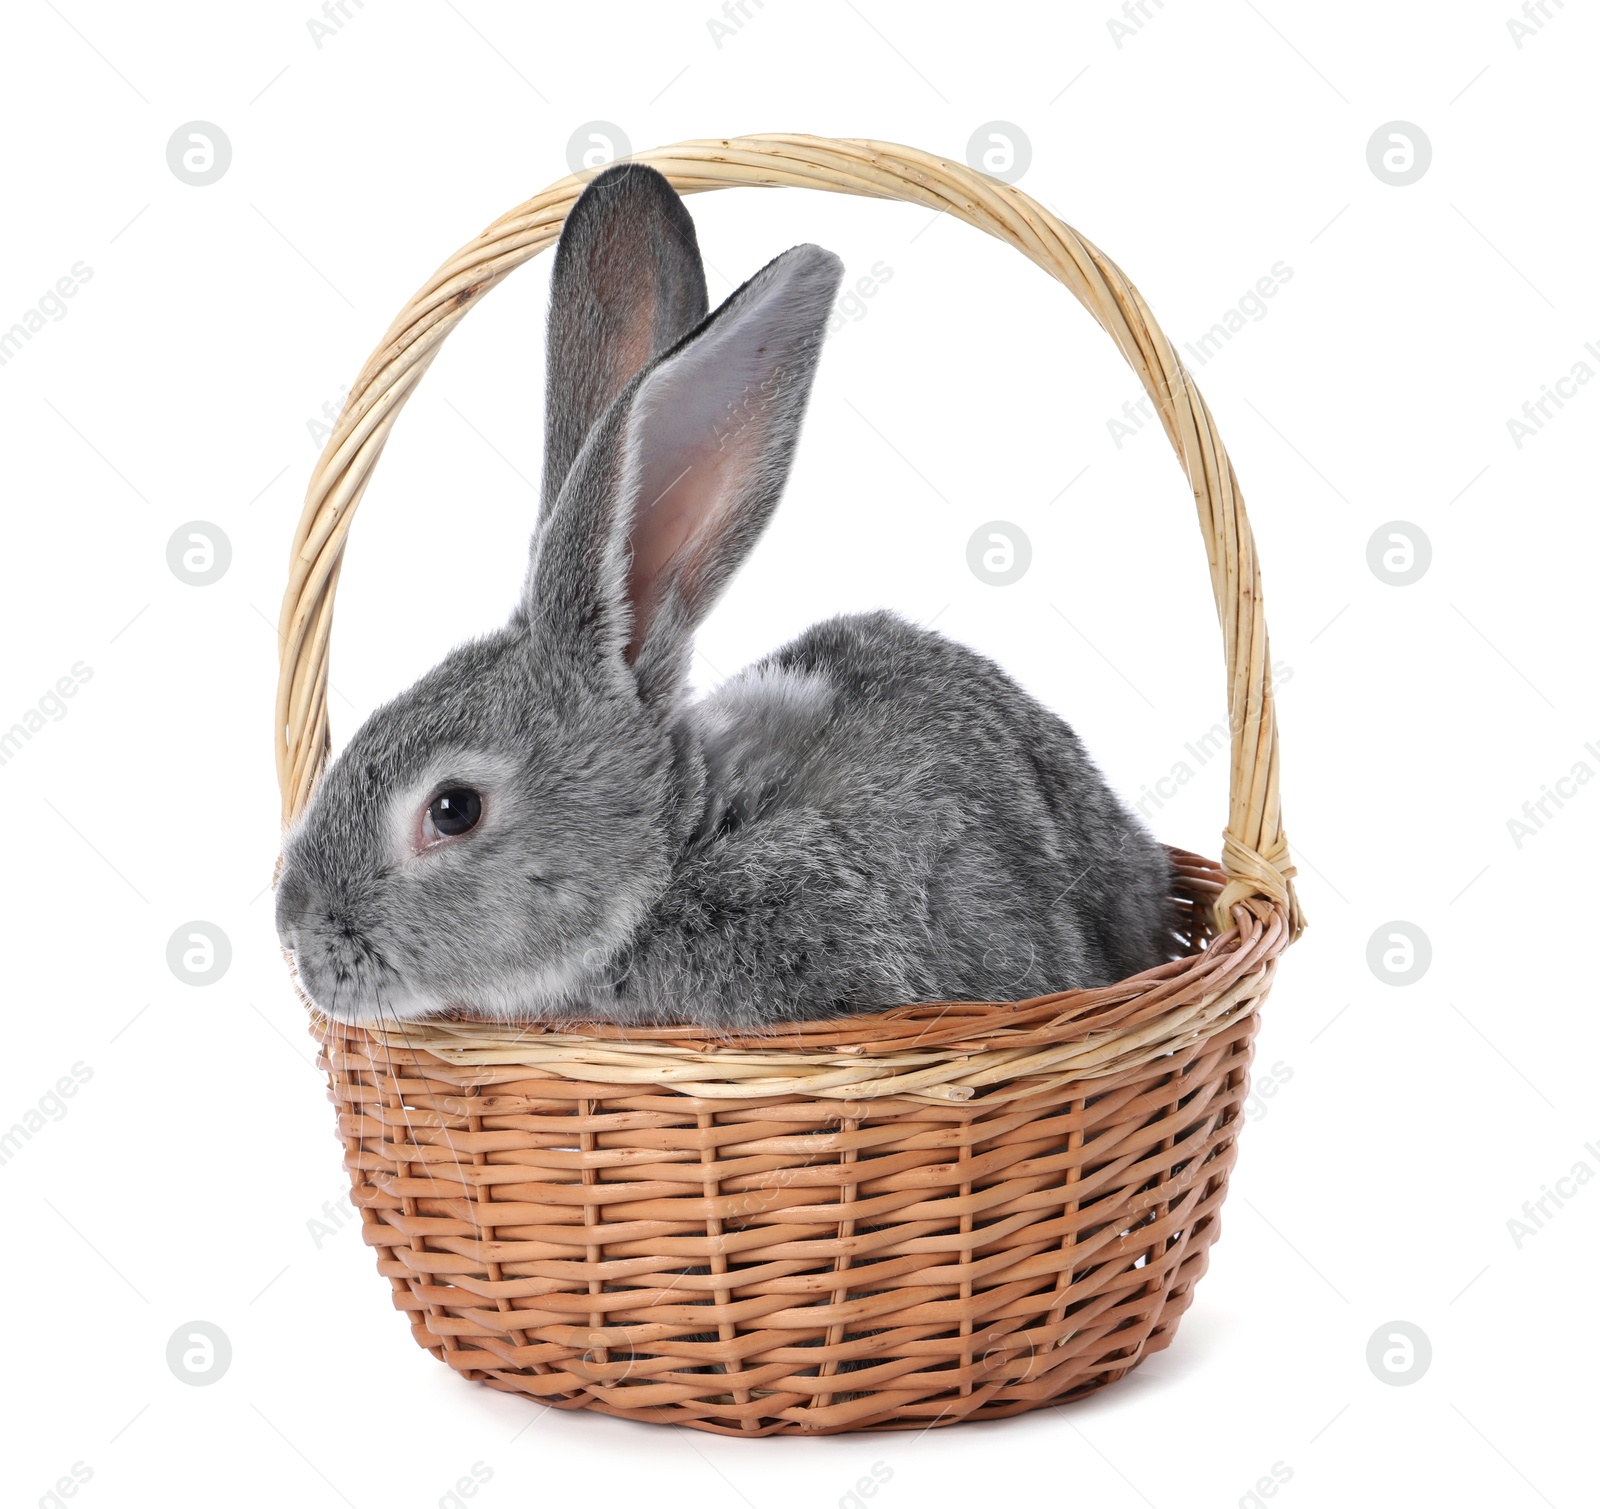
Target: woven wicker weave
x,y
899,1220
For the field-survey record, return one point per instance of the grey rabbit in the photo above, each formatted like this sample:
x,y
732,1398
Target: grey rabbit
x,y
546,827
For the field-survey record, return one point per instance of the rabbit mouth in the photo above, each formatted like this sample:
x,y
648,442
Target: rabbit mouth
x,y
350,981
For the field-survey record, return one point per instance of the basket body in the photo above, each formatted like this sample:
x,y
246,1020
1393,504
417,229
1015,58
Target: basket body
x,y
793,1264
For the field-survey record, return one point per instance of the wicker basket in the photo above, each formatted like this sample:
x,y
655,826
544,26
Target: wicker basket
x,y
932,1214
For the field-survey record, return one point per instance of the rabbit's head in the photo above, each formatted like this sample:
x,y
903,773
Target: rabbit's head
x,y
491,838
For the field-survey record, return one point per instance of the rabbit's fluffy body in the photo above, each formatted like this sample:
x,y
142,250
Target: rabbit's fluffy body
x,y
869,816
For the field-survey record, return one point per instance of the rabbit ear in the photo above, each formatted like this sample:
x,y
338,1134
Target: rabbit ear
x,y
679,478
627,284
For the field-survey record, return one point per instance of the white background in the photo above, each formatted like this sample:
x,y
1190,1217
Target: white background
x,y
1410,1124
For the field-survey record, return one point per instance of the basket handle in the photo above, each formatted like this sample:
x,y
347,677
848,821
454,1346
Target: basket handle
x,y
1255,854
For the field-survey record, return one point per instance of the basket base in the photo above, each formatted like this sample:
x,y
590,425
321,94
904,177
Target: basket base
x,y
990,1402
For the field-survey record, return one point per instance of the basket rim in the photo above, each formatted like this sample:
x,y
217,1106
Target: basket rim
x,y
943,1052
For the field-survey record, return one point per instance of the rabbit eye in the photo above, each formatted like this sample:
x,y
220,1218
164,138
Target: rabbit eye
x,y
452,813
